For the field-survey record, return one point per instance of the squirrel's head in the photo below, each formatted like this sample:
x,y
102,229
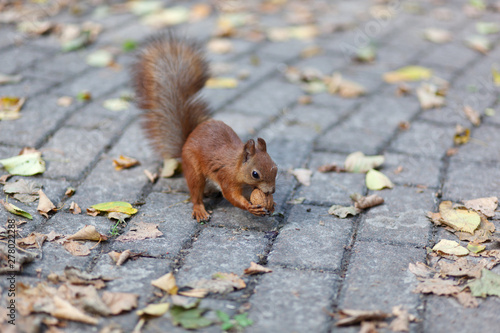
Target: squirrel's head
x,y
257,167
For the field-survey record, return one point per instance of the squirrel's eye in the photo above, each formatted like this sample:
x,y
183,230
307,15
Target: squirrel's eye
x,y
255,175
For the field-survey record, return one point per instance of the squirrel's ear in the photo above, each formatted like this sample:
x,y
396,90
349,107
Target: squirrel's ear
x,y
261,144
248,150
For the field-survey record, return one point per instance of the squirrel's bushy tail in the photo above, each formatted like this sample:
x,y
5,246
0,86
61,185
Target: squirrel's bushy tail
x,y
167,77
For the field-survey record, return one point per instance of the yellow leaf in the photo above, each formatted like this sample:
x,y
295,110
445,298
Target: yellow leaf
x,y
221,83
376,180
459,219
115,206
408,73
154,310
450,247
166,283
496,76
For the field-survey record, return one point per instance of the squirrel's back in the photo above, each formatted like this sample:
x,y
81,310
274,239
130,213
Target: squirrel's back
x,y
167,76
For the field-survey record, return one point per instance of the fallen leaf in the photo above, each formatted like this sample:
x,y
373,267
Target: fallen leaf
x,y
10,263
70,191
199,11
360,163
220,46
116,104
221,83
479,43
141,8
459,218
115,206
64,310
4,178
76,248
34,240
151,176
170,165
429,96
16,210
10,107
473,116
311,51
196,293
489,111
486,206
120,257
487,285
166,283
256,269
22,190
438,287
24,165
221,283
344,88
45,206
119,302
191,318
74,208
166,17
421,270
125,162
331,168
155,310
402,321
475,248
35,27
302,175
438,36
487,28
462,135
88,232
140,231
408,73
376,180
462,267
363,202
74,37
350,317
84,96
466,299
343,211
65,101
282,34
10,79
100,58
450,247
496,80
366,54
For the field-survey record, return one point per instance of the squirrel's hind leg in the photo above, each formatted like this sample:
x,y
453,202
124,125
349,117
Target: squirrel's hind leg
x,y
196,183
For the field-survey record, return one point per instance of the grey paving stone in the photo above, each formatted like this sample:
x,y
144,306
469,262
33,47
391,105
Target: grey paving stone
x,y
448,115
378,277
305,243
244,125
283,51
336,102
461,55
313,116
330,188
268,99
424,139
439,315
28,87
405,169
482,147
466,181
61,66
17,58
292,301
401,219
135,31
221,250
71,151
173,217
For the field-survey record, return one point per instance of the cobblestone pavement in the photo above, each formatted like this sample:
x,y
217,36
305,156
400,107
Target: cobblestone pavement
x,y
320,263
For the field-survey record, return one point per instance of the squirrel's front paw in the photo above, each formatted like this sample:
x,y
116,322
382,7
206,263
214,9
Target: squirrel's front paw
x,y
200,213
257,210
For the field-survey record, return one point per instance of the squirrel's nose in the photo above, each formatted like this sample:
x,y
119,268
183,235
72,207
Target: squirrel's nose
x,y
271,191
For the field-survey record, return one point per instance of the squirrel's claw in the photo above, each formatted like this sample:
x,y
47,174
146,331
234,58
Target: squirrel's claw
x,y
200,214
257,210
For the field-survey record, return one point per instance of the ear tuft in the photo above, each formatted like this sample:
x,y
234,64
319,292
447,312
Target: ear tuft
x,y
248,150
261,145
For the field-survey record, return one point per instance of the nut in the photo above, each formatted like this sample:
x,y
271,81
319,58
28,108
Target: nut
x,y
260,198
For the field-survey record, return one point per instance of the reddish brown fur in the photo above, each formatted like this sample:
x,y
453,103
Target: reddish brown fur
x,y
168,75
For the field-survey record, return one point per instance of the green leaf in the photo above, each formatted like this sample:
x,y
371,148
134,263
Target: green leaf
x,y
343,211
189,318
475,248
479,43
359,162
243,320
16,210
24,165
486,28
129,45
76,43
226,326
224,317
408,73
115,104
488,284
115,206
144,7
366,54
376,180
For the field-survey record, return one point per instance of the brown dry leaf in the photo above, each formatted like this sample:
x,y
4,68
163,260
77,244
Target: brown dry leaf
x,y
151,176
438,36
166,283
421,270
331,168
302,175
119,302
368,327
352,317
4,178
74,208
45,205
429,96
462,267
221,283
64,310
196,293
344,88
75,276
140,231
92,212
402,321
473,116
120,257
438,287
486,206
76,248
479,43
33,241
256,269
466,299
85,297
362,202
125,162
89,232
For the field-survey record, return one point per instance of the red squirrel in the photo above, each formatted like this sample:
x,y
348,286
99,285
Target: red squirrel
x,y
167,76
